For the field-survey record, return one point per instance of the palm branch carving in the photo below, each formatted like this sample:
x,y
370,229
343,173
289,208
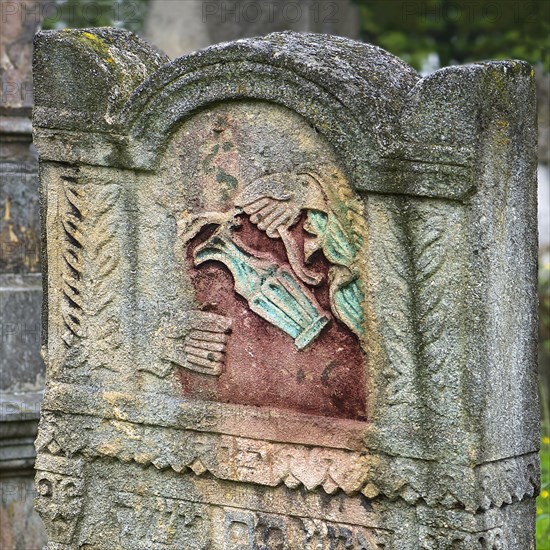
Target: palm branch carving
x,y
90,259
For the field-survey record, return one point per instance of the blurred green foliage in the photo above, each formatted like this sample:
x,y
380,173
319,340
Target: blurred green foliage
x,y
459,31
543,501
544,308
62,14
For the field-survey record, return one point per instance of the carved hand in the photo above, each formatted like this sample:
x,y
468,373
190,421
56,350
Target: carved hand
x,y
197,341
270,214
275,217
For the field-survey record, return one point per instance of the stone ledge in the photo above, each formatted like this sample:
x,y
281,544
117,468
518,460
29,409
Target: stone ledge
x,y
245,460
19,414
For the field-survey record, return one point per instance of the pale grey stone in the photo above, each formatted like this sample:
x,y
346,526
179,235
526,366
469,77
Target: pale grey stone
x,y
22,370
179,27
434,177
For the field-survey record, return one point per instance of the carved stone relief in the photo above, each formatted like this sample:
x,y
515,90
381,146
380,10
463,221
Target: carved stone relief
x,y
60,497
275,251
289,298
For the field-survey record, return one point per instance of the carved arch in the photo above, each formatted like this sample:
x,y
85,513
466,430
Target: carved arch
x,y
345,114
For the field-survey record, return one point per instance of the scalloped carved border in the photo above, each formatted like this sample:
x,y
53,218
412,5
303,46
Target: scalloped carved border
x,y
246,460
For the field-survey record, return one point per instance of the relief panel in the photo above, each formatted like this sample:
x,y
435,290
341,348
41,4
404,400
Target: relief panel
x,y
271,239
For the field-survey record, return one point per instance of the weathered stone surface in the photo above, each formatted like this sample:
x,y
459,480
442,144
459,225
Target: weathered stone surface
x,y
21,368
20,20
290,298
20,525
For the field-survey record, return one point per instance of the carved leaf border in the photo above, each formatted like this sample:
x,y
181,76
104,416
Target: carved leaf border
x,y
90,269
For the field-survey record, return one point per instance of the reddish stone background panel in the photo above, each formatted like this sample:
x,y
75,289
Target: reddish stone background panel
x,y
263,366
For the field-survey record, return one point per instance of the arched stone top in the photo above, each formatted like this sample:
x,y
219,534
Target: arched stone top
x,y
356,73
341,87
349,92
118,102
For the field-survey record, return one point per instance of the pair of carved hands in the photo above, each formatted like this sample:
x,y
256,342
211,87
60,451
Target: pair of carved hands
x,y
272,215
274,204
197,341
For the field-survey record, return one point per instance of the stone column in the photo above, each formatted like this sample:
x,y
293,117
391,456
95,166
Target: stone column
x,y
21,367
291,297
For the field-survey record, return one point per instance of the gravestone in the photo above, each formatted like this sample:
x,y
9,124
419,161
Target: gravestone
x,y
290,297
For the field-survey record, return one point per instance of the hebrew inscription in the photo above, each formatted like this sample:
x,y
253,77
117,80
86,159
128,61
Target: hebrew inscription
x,y
164,523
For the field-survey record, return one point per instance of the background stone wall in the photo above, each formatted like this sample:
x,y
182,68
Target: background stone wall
x,y
21,367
